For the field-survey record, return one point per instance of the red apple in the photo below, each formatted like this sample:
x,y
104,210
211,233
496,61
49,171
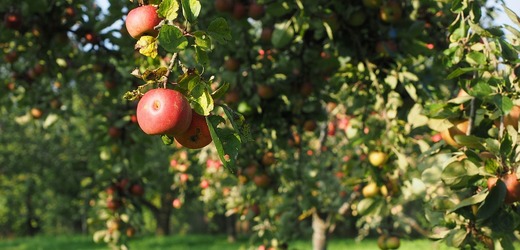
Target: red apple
x,y
13,20
224,5
114,132
36,113
256,11
204,184
177,203
232,64
250,171
239,11
266,35
11,56
265,91
268,159
163,111
141,21
197,135
136,190
183,178
113,204
512,186
262,180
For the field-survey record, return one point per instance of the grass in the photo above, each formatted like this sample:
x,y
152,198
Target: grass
x,y
191,242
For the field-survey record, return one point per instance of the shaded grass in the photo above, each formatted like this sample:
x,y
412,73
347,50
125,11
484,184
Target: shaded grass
x,y
192,242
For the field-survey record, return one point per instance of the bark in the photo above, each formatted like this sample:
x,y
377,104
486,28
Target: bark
x,y
319,232
230,228
161,214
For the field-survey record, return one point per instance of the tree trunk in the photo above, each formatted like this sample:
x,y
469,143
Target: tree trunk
x,y
162,218
319,232
230,228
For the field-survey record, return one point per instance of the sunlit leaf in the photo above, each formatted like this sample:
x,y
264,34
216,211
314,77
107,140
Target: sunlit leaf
x,y
172,39
168,9
219,30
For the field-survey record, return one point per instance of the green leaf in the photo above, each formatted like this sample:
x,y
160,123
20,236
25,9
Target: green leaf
x,y
201,99
476,58
456,237
493,201
370,206
147,46
479,30
459,174
168,9
201,56
481,90
191,9
460,71
172,39
238,122
219,30
283,34
155,74
513,31
512,15
469,201
202,40
503,103
508,52
226,142
470,141
506,147
221,90
458,6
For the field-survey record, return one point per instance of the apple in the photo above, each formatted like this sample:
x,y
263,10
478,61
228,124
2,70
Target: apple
x,y
114,132
370,190
266,35
232,97
250,171
113,204
512,186
310,125
391,12
265,91
137,190
381,242
91,38
356,19
163,111
262,180
11,56
213,164
177,203
183,178
141,21
256,11
13,20
393,242
197,135
268,158
204,184
331,129
459,128
306,89
223,5
130,232
36,113
373,4
239,11
10,86
70,12
122,184
232,64
377,158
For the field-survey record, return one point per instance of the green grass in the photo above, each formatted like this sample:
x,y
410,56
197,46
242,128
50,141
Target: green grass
x,y
191,242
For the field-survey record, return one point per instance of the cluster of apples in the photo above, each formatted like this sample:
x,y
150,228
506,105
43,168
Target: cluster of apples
x,y
117,192
163,111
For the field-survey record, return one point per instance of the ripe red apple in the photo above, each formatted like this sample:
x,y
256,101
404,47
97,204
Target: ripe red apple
x,y
391,12
511,119
137,190
459,128
232,97
239,11
262,180
122,184
250,171
204,184
111,190
512,186
70,12
268,158
12,20
183,178
114,132
197,135
36,113
224,5
213,164
331,129
177,203
256,11
11,56
133,118
265,91
113,204
163,111
310,125
141,21
91,38
232,64
266,35
130,232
